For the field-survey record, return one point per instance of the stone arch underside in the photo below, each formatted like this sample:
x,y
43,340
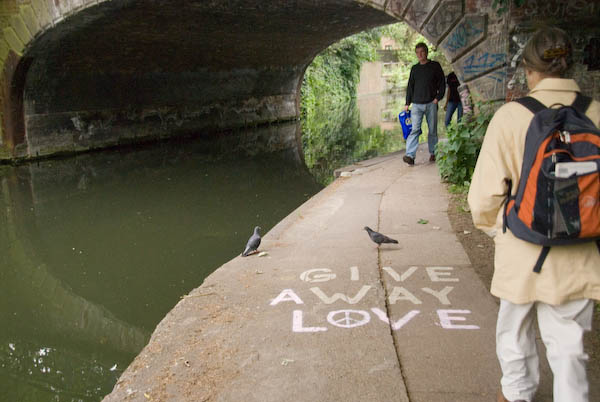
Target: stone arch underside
x,y
124,71
84,74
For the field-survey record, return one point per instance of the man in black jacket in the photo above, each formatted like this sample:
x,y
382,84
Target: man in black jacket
x,y
426,87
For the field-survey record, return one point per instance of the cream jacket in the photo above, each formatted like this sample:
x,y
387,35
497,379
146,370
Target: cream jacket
x,y
569,272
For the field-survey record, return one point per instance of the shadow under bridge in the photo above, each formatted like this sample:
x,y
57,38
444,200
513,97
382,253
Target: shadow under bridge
x,y
122,71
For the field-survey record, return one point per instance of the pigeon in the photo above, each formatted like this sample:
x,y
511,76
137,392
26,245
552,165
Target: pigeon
x,y
253,243
378,237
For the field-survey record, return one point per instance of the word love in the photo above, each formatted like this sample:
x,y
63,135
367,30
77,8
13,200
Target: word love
x,y
307,322
357,318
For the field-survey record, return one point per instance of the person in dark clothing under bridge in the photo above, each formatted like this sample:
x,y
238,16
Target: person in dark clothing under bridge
x,y
453,102
426,87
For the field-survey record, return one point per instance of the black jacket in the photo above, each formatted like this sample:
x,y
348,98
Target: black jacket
x,y
453,84
426,83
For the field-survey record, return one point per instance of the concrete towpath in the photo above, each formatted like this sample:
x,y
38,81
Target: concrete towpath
x,y
328,316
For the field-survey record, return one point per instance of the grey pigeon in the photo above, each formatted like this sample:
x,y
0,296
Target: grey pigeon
x,y
253,243
378,237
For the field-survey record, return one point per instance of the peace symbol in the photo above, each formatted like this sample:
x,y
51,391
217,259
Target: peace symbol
x,y
349,319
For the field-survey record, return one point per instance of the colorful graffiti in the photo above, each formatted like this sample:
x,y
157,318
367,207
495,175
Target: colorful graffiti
x,y
489,55
466,34
517,85
465,98
477,64
443,19
535,9
418,12
492,86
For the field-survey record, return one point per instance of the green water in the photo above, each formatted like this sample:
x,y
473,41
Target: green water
x,y
333,136
96,249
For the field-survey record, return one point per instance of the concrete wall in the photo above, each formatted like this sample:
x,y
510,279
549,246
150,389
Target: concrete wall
x,y
83,74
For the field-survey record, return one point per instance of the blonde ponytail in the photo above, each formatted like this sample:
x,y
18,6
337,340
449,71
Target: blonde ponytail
x,y
549,51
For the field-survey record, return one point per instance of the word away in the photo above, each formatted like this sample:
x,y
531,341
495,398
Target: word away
x,y
352,318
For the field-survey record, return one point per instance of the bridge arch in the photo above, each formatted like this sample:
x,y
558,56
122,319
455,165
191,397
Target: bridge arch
x,y
83,74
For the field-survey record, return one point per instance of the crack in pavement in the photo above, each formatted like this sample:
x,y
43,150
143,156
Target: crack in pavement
x,y
385,291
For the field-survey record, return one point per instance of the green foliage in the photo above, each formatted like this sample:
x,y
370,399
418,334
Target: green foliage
x,y
333,138
332,77
406,39
331,132
459,189
457,156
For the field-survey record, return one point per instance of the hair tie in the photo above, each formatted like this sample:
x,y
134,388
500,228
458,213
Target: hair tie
x,y
555,53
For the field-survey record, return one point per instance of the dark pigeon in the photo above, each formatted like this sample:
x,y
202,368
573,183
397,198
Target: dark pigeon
x,y
378,237
253,243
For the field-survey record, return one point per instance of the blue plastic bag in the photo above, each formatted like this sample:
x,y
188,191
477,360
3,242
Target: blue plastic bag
x,y
406,123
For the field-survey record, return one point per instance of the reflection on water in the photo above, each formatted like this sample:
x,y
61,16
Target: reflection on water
x,y
96,249
336,139
335,136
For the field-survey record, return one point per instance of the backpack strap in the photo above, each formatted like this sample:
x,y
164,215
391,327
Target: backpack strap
x,y
532,104
540,261
581,103
508,198
544,253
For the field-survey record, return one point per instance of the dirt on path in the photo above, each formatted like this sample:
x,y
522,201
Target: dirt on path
x,y
480,249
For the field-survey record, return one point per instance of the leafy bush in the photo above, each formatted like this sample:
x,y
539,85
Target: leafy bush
x,y
331,79
457,156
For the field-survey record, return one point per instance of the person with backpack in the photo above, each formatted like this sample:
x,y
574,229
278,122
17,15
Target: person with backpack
x,y
550,267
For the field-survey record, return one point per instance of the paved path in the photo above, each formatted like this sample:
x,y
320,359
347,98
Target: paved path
x,y
327,316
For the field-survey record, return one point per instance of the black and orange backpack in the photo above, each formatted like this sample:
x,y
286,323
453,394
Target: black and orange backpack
x,y
558,197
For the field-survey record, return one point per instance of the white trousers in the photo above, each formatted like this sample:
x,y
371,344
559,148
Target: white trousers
x,y
561,328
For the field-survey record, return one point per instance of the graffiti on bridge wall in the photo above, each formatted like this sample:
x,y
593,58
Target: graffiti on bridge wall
x,y
586,51
443,19
465,99
479,63
466,34
517,85
487,56
418,12
397,7
534,10
492,86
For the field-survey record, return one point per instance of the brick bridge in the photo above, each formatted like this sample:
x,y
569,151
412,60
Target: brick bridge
x,y
83,74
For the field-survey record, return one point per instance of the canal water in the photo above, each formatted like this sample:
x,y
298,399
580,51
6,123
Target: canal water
x,y
96,249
